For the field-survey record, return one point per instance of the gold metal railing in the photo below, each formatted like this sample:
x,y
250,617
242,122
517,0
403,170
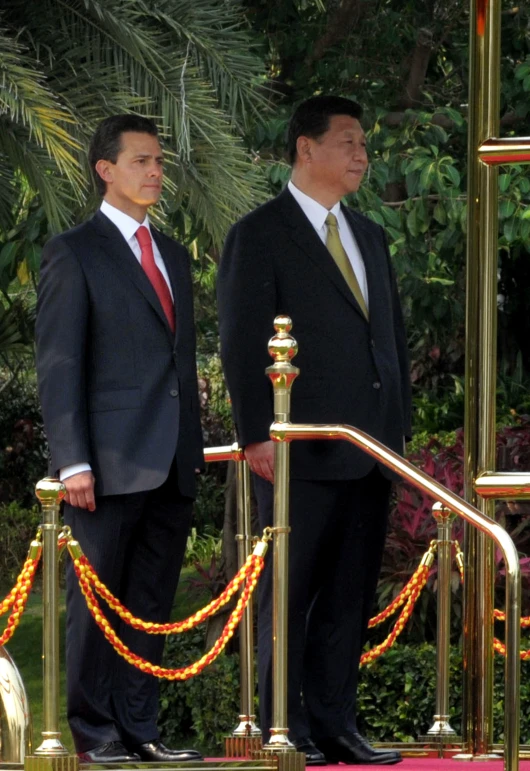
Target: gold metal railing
x,y
441,727
279,752
486,151
282,348
246,736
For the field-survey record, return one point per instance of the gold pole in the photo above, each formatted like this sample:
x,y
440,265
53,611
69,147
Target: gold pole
x,y
283,431
247,728
51,753
481,344
282,348
441,727
246,737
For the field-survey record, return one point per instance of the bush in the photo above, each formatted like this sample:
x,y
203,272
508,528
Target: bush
x,y
18,529
205,707
23,450
396,696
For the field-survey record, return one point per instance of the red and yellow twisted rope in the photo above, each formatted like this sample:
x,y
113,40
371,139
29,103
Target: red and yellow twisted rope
x,y
178,626
255,563
18,596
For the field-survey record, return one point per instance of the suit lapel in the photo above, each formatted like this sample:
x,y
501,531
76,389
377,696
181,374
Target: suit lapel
x,y
304,234
115,246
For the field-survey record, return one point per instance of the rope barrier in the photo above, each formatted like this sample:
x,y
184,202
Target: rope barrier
x,y
404,594
177,627
249,574
408,596
246,577
19,594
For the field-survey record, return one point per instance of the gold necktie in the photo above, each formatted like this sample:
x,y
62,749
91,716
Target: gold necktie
x,y
336,250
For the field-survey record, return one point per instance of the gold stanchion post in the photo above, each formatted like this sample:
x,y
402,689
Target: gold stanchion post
x,y
246,737
51,754
282,348
481,348
441,728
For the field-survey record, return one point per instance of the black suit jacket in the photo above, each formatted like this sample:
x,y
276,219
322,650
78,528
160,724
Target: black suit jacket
x,y
118,389
351,371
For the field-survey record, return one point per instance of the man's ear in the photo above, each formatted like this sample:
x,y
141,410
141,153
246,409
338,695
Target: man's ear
x,y
104,169
303,149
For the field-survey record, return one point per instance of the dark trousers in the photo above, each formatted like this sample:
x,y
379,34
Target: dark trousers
x,y
136,544
336,544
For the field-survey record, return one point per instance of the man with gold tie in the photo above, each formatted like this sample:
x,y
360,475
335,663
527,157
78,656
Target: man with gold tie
x,y
118,387
307,255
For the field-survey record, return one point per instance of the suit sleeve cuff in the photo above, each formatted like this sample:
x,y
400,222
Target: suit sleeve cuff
x,y
75,468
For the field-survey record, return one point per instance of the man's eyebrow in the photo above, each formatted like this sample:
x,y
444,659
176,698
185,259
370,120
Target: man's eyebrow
x,y
353,132
149,155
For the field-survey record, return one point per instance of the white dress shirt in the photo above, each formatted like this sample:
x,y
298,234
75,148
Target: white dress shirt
x,y
127,227
316,214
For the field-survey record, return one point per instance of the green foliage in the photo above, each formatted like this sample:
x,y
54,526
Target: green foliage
x,y
23,451
201,548
397,695
206,706
18,529
414,99
192,65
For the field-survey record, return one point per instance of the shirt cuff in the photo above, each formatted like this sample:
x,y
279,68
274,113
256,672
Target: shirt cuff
x,y
74,468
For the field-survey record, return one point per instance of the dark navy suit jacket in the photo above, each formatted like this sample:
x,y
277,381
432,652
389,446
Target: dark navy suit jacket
x,y
352,371
118,389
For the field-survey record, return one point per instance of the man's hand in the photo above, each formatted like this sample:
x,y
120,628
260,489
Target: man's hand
x,y
260,458
80,490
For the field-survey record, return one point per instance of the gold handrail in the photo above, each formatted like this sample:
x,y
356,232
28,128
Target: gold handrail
x,y
227,452
286,432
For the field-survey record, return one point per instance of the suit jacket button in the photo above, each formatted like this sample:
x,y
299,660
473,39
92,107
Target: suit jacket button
x,y
377,384
372,343
173,392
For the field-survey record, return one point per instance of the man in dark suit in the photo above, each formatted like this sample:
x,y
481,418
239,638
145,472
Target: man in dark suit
x,y
118,387
328,267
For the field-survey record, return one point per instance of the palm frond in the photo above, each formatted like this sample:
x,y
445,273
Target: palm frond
x,y
33,163
189,64
26,100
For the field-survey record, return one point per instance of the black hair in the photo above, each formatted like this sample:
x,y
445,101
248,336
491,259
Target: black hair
x,y
106,142
311,118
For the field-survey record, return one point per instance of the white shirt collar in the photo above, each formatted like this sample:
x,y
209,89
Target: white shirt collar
x,y
313,210
126,225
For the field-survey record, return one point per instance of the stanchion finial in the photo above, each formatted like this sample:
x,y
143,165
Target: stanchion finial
x,y
50,492
283,347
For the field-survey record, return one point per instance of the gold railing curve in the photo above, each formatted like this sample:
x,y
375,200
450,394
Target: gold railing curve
x,y
282,348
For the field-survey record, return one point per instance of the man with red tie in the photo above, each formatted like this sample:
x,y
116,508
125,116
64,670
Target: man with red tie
x,y
118,387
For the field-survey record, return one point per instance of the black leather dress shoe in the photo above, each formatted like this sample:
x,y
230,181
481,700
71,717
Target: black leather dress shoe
x,y
353,749
111,752
313,757
156,752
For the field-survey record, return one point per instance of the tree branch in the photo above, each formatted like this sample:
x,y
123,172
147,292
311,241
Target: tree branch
x,y
418,69
347,15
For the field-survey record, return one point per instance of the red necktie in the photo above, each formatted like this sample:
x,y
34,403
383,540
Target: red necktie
x,y
154,274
